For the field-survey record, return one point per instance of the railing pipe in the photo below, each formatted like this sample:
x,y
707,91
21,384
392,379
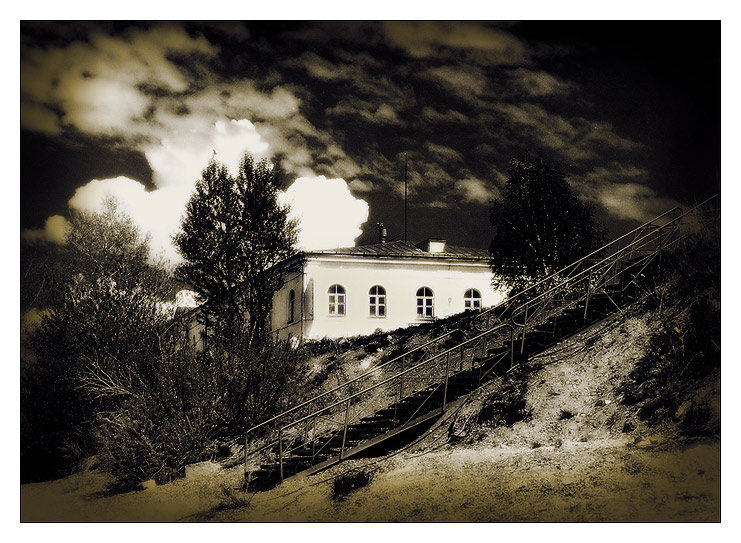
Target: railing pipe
x,y
589,290
346,384
445,389
389,379
280,453
344,431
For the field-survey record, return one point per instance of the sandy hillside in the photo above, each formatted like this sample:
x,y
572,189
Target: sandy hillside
x,y
579,456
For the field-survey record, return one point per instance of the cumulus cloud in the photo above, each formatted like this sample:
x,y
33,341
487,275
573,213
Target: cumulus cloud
x,y
156,213
179,159
330,215
96,84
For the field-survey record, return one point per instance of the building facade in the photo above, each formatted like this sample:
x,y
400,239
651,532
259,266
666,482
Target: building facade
x,y
361,290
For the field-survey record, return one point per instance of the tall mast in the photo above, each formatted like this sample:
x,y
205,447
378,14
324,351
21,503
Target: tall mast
x,y
405,197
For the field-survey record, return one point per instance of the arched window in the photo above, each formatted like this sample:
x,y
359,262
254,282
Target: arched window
x,y
336,300
472,299
291,305
425,303
377,301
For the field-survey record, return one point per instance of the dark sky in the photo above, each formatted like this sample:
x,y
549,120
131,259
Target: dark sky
x,y
631,110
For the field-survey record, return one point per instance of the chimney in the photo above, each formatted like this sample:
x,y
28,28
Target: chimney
x,y
381,233
435,245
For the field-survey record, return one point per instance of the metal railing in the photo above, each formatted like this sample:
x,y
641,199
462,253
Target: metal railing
x,y
435,371
605,274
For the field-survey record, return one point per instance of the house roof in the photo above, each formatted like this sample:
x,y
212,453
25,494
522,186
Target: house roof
x,y
405,249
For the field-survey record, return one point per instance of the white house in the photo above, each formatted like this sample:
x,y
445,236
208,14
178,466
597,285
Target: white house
x,y
360,290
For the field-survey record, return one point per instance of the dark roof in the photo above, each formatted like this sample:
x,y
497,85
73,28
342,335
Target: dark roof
x,y
407,250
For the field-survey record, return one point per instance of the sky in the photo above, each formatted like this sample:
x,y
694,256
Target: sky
x,y
630,110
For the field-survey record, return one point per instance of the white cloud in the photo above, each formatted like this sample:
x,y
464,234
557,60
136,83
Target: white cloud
x,y
179,159
157,213
330,215
476,191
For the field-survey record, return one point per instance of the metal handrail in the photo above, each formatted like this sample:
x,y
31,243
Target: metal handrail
x,y
347,383
575,264
615,257
398,375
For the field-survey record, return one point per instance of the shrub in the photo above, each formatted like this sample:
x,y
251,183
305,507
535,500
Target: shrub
x,y
195,400
683,351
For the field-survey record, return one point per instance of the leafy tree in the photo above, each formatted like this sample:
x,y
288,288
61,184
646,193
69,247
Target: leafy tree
x,y
541,226
234,230
101,332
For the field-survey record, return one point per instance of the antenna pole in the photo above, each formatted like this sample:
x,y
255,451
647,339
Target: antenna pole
x,y
405,197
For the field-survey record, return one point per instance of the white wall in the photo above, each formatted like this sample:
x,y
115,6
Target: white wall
x,y
401,278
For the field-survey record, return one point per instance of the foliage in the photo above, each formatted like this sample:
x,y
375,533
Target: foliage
x,y
103,321
541,226
194,400
683,353
234,230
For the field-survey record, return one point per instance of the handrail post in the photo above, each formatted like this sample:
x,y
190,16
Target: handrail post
x,y
313,439
401,378
460,367
280,452
445,390
524,329
344,431
246,472
512,347
589,291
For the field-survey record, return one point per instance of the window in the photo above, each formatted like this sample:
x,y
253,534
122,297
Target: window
x,y
425,303
377,301
336,300
291,305
472,299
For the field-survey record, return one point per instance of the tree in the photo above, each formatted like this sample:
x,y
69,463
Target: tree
x,y
541,226
103,326
233,232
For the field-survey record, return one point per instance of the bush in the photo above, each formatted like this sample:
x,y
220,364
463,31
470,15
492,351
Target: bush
x,y
195,400
683,351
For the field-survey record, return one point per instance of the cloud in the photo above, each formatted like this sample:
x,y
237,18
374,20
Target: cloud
x,y
633,201
464,81
156,213
477,191
577,139
55,230
97,84
180,159
449,116
427,38
539,83
330,215
620,190
382,114
444,152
